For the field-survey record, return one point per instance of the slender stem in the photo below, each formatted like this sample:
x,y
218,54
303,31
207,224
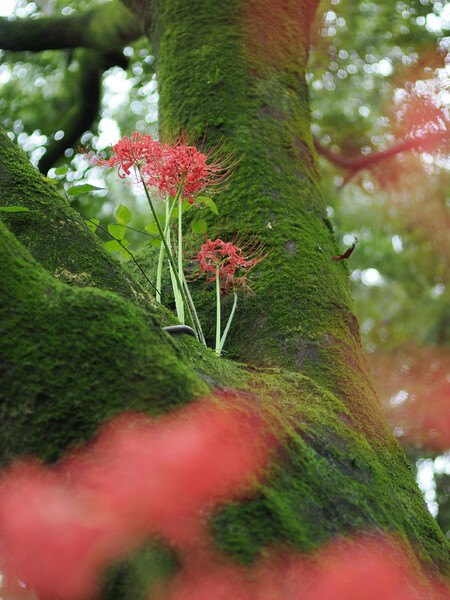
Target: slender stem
x,y
169,217
161,251
166,245
217,311
194,312
230,318
124,247
178,297
180,238
180,241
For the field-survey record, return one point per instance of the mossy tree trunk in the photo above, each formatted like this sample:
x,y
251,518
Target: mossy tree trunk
x,y
238,69
82,340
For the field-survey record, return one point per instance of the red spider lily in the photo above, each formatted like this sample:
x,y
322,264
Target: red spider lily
x,y
169,468
52,538
241,254
139,151
182,164
174,163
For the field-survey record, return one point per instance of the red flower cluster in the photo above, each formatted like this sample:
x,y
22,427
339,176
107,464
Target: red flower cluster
x,y
241,254
175,162
60,526
137,152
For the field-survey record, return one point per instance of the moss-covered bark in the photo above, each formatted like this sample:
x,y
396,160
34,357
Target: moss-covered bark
x,y
81,340
237,70
233,71
71,357
58,237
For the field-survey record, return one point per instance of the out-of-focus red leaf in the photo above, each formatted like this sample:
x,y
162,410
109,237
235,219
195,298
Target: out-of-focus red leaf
x,y
60,526
414,385
345,569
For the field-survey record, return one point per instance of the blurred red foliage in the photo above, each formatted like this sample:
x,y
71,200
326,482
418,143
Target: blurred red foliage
x,y
60,526
414,384
362,567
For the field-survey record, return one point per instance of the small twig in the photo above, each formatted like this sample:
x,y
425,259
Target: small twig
x,y
124,247
152,235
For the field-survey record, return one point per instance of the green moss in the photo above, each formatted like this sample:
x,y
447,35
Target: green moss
x,y
133,579
212,76
327,480
57,236
71,357
98,355
339,469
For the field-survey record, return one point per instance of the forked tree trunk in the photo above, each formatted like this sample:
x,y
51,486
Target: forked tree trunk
x,y
82,340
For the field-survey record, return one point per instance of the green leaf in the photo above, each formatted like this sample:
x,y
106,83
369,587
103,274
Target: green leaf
x,y
152,228
125,254
113,246
175,213
155,242
61,170
14,209
199,226
92,224
123,215
116,230
76,190
209,203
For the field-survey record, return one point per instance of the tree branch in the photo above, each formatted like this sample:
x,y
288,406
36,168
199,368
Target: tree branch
x,y
106,27
86,107
356,163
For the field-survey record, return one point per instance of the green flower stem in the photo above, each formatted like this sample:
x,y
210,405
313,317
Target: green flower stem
x,y
158,273
230,318
168,250
161,251
180,238
217,311
180,263
169,212
178,298
194,312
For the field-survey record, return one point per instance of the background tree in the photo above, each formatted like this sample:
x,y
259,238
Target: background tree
x,y
75,353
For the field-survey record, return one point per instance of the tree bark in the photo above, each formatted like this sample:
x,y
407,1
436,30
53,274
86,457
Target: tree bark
x,y
82,340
